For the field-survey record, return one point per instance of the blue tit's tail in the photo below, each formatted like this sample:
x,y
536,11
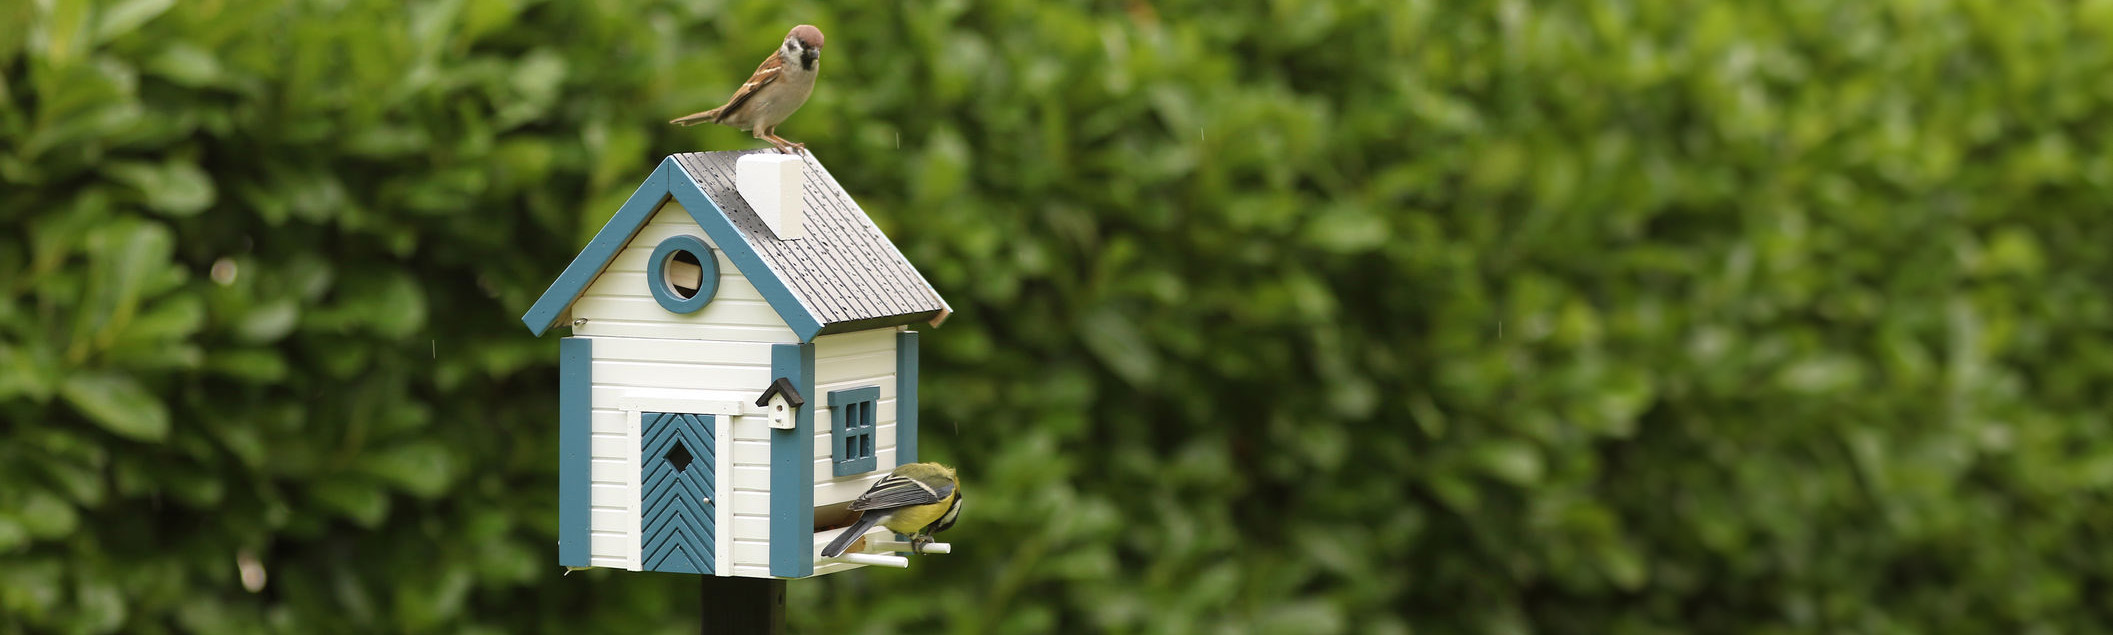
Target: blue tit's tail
x,y
865,522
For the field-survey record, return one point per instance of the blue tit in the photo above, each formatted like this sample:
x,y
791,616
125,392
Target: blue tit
x,y
919,499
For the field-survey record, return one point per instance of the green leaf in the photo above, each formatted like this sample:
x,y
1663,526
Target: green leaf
x,y
1346,229
188,65
29,370
1823,374
101,604
125,16
66,29
1512,461
174,318
269,322
1116,341
82,484
1624,567
255,366
11,40
423,469
391,304
365,503
118,404
175,187
12,533
130,265
47,516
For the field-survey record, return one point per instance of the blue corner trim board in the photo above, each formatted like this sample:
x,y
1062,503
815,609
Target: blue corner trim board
x,y
905,397
669,180
657,274
792,470
575,389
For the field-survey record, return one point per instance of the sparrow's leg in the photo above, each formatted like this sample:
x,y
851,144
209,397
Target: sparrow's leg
x,y
784,146
918,542
765,135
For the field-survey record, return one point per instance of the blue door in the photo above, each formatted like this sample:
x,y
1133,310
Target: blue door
x,y
678,524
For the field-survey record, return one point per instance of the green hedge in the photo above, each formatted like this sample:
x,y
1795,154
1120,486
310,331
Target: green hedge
x,y
1286,317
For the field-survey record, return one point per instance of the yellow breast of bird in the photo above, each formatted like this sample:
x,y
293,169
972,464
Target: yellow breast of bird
x,y
912,519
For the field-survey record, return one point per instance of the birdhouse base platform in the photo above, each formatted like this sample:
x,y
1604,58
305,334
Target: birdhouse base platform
x,y
882,553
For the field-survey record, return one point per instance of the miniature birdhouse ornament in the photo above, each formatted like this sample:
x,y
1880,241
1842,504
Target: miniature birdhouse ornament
x,y
740,371
781,401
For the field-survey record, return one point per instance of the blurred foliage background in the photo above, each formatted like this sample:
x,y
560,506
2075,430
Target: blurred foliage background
x,y
1489,316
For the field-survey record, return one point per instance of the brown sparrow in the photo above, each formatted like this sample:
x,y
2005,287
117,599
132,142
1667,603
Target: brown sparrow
x,y
779,87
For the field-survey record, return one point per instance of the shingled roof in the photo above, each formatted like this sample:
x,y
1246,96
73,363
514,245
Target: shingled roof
x,y
843,276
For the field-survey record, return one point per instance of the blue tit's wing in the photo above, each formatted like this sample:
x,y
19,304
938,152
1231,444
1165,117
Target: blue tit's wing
x,y
901,491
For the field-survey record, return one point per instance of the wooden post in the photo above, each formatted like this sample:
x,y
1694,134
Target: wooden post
x,y
744,605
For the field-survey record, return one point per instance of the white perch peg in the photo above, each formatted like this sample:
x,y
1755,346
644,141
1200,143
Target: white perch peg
x,y
773,185
877,560
893,546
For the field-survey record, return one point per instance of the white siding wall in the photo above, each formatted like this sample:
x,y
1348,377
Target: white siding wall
x,y
747,534
846,360
632,375
851,360
619,303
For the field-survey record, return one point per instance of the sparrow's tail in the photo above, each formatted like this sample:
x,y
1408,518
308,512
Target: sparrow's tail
x,y
708,116
851,533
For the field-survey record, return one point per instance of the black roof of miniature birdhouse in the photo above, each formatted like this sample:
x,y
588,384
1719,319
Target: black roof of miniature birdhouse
x,y
784,387
844,275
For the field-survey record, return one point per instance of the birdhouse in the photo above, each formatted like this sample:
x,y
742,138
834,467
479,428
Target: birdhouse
x,y
739,369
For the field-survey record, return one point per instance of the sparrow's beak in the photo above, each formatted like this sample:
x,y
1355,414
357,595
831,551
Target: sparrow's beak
x,y
807,58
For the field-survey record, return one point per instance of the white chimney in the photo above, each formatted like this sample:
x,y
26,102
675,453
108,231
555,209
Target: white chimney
x,y
772,184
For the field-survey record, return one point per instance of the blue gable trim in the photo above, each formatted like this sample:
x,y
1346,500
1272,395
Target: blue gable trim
x,y
905,397
792,470
669,180
715,223
575,389
589,263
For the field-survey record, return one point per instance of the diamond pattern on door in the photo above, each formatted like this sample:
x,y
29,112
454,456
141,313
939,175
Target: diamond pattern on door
x,y
678,524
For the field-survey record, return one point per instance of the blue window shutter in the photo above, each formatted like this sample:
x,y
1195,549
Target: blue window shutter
x,y
792,470
575,433
851,416
905,397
